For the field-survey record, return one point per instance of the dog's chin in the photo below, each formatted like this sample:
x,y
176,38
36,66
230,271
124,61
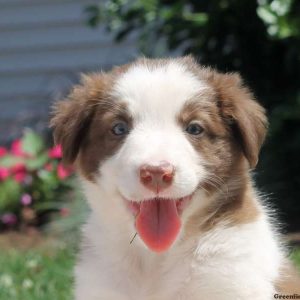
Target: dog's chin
x,y
158,220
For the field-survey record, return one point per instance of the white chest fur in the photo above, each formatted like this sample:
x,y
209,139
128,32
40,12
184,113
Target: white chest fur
x,y
223,264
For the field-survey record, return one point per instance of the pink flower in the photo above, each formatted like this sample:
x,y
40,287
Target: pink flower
x,y
9,219
4,173
63,172
64,212
16,148
48,167
26,199
3,151
19,177
19,167
19,172
55,152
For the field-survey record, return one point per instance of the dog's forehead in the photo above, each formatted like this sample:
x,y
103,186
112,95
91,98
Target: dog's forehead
x,y
160,89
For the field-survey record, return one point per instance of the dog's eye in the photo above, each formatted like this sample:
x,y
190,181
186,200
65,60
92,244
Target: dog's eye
x,y
194,129
120,128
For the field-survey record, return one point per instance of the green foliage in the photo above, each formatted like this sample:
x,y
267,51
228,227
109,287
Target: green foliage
x,y
295,257
277,15
68,228
36,274
32,182
32,143
10,194
260,39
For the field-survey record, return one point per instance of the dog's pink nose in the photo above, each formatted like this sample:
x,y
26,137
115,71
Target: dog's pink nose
x,y
157,177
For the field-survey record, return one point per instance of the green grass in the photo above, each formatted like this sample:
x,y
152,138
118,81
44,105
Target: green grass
x,y
44,273
36,274
295,256
41,267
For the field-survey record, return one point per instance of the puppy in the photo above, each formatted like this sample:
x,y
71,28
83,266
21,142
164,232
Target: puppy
x,y
164,150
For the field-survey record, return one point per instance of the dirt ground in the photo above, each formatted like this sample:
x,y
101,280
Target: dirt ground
x,y
22,241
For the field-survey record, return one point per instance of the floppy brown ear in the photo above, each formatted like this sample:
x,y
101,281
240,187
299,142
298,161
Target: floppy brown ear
x,y
72,116
70,122
246,116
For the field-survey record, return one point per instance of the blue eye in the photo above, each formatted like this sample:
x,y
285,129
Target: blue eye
x,y
120,129
194,129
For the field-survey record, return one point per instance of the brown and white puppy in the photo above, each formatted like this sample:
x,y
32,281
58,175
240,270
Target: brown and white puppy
x,y
163,149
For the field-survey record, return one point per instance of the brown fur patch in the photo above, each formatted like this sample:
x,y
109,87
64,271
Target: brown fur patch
x,y
237,107
231,209
82,123
100,143
234,129
220,151
236,208
235,102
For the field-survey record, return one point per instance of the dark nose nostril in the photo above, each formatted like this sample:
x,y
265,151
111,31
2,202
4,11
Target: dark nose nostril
x,y
146,177
167,177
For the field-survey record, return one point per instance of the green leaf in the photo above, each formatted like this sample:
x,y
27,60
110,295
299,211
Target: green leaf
x,y
265,13
32,143
49,179
94,15
9,195
36,162
10,160
198,18
49,205
149,5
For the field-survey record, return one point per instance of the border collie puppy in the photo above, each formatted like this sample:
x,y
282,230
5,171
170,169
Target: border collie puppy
x,y
164,149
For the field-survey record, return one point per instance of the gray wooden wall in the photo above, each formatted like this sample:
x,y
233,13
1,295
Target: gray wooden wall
x,y
44,45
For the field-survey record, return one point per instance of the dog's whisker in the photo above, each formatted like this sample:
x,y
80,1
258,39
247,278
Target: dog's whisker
x,y
217,183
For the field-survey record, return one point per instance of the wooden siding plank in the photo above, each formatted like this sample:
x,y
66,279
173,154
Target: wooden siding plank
x,y
81,57
27,104
13,3
41,13
40,84
44,45
48,37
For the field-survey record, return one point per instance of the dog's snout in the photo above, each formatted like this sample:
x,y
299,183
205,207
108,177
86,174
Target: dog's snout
x,y
157,177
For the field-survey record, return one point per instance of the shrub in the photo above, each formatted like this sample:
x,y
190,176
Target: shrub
x,y
32,181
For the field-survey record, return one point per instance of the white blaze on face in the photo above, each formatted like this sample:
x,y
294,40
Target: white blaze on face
x,y
154,97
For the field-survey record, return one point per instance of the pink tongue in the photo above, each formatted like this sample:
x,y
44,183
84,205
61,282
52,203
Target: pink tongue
x,y
158,224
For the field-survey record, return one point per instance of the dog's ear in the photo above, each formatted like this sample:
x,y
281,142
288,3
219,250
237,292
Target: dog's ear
x,y
245,116
70,122
72,117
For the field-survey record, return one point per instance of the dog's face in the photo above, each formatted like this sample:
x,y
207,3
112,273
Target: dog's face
x,y
158,134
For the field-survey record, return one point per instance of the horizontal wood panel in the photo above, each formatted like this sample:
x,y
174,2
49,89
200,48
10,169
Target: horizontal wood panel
x,y
44,45
25,107
33,39
41,13
85,56
39,84
9,3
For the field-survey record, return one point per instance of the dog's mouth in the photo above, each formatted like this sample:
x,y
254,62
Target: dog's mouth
x,y
158,220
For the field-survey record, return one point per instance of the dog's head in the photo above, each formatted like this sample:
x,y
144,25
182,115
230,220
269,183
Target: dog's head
x,y
156,134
